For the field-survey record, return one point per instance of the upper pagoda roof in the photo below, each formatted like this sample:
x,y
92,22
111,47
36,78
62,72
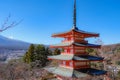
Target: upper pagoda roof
x,y
64,44
75,28
85,33
74,57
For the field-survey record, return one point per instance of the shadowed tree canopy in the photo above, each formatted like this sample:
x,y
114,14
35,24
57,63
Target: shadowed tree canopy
x,y
56,51
37,55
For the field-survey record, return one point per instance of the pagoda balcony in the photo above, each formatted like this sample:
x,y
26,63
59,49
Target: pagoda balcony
x,y
81,67
66,66
66,53
74,67
78,41
81,41
80,51
67,41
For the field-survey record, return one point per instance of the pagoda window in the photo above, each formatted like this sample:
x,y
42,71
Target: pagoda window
x,y
70,63
64,63
65,51
71,51
72,38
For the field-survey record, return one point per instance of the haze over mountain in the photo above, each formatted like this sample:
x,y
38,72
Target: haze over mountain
x,y
7,43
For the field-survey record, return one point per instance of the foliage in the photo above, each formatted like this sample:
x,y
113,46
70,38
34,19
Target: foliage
x,y
37,55
109,61
89,50
30,56
118,62
118,49
62,50
56,51
118,76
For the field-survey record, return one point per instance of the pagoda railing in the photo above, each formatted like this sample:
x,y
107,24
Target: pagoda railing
x,y
66,53
67,41
79,41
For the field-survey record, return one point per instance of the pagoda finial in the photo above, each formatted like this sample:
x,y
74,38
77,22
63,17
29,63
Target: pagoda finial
x,y
74,16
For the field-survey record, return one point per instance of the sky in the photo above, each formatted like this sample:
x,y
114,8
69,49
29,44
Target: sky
x,y
42,18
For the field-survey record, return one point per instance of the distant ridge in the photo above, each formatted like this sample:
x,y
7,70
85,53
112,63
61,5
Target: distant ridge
x,y
116,44
7,43
112,45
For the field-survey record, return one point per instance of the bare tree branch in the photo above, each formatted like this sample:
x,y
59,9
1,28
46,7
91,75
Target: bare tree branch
x,y
5,25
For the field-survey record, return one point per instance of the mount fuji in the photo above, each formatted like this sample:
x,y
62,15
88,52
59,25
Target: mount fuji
x,y
7,43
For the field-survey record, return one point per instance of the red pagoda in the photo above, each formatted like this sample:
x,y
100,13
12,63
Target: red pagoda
x,y
74,60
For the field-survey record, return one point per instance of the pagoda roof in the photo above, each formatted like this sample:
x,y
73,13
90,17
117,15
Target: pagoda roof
x,y
88,34
75,57
75,73
63,44
66,57
66,72
92,71
92,58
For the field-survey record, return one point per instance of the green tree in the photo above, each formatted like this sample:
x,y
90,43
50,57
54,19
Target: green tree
x,y
118,75
48,51
29,55
56,51
37,55
118,62
89,50
25,57
41,54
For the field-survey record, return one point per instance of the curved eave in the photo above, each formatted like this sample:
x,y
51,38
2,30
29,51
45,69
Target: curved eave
x,y
76,45
62,34
66,72
92,58
75,58
87,45
75,73
93,35
92,71
87,34
61,57
66,57
61,45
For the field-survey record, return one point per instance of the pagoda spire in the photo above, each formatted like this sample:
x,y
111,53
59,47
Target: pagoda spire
x,y
74,16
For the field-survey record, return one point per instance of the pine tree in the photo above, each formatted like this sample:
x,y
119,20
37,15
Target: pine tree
x,y
25,59
29,55
41,56
48,51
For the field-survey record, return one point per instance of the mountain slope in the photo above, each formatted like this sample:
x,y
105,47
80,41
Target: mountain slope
x,y
6,43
